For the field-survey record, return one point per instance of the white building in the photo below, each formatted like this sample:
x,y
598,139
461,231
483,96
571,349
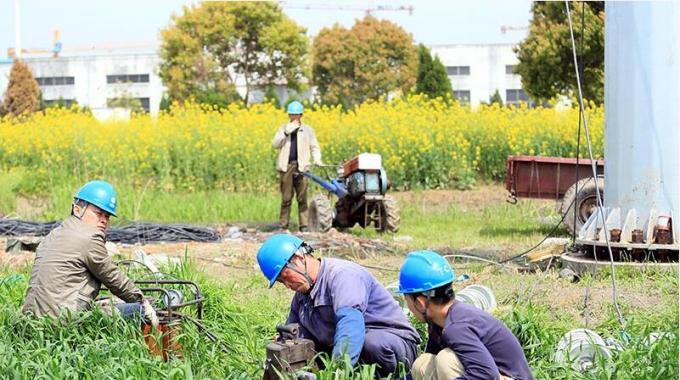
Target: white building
x,y
98,78
478,71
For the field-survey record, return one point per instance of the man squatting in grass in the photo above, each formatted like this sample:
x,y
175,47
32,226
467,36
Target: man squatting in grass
x,y
298,147
464,342
340,306
72,263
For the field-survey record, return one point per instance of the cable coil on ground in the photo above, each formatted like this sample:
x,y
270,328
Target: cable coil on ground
x,y
130,234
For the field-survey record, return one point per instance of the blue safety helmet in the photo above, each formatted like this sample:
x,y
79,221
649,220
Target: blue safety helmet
x,y
275,253
423,271
295,108
99,193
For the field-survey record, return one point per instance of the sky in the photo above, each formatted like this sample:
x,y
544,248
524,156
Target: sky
x,y
119,22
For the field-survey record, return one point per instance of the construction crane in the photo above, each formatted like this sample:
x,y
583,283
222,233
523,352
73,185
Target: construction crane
x,y
510,28
57,48
351,8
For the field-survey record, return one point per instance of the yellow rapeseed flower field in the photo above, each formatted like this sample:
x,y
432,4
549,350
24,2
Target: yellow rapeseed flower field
x,y
424,143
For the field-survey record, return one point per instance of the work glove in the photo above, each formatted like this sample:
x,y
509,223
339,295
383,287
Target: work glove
x,y
149,313
291,128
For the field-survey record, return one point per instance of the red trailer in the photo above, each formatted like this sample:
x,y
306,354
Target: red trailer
x,y
557,178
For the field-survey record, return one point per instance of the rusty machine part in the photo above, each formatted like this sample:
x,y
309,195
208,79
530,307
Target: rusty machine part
x,y
630,240
176,304
290,355
164,342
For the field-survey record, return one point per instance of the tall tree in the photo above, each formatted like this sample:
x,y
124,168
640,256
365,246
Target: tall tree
x,y
545,57
23,93
432,78
369,61
205,48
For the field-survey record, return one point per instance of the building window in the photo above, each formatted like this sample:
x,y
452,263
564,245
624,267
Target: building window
x,y
511,69
127,78
135,104
458,70
515,96
463,96
55,81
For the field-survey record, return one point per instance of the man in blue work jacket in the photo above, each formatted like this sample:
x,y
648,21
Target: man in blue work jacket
x,y
340,306
464,342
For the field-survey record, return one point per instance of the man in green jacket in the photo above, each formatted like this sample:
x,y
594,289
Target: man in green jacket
x,y
72,263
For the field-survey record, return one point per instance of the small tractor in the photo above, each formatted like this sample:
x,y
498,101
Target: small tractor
x,y
361,186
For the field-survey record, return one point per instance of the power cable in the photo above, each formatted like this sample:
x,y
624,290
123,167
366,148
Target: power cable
x,y
580,117
130,234
600,206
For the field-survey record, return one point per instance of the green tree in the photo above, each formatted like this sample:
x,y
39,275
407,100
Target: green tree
x,y
432,78
369,61
546,61
209,44
496,98
23,93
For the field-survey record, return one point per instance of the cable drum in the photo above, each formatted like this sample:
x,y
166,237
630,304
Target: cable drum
x,y
479,296
581,348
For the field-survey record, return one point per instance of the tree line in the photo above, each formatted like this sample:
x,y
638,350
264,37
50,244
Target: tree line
x,y
211,47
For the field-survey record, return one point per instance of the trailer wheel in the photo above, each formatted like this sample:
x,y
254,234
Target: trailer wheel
x,y
391,221
584,204
320,213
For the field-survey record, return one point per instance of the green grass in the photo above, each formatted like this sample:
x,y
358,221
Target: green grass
x,y
495,227
243,312
9,182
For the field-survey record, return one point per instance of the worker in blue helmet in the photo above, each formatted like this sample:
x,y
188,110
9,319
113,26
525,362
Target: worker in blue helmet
x,y
298,150
464,342
72,262
340,306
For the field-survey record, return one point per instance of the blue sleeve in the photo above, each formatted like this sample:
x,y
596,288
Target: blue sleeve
x,y
350,333
473,355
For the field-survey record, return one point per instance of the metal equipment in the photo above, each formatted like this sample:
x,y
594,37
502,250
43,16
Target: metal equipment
x,y
290,356
558,178
170,319
642,90
479,296
582,349
361,186
175,301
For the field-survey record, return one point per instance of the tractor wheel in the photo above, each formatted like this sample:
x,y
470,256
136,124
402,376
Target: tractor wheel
x,y
391,220
320,213
585,203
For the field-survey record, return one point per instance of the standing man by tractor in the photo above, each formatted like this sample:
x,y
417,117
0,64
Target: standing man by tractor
x,y
298,149
340,306
464,342
72,263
